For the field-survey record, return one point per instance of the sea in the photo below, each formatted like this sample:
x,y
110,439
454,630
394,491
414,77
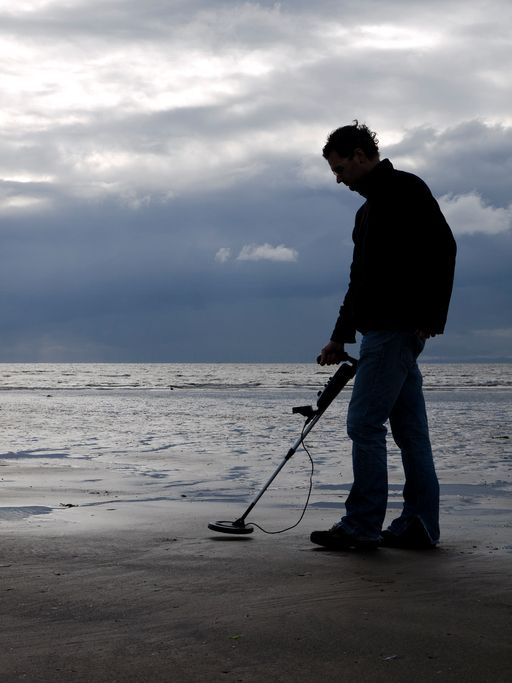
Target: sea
x,y
216,432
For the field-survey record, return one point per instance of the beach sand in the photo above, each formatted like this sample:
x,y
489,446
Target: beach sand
x,y
143,591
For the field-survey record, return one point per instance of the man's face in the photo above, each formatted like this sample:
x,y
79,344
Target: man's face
x,y
348,171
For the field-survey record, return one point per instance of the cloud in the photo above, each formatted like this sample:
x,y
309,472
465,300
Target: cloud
x,y
467,214
471,157
267,252
137,138
259,252
123,101
223,255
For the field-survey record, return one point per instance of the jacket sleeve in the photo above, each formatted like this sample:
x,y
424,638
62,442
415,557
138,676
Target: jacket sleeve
x,y
344,331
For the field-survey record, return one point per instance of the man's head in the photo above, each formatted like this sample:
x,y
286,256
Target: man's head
x,y
352,152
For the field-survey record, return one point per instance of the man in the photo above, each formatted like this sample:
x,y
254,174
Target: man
x,y
400,285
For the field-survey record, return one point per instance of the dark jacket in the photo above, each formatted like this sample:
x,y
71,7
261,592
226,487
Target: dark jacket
x,y
402,269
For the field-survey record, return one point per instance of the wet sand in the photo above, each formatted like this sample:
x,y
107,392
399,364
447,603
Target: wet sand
x,y
145,592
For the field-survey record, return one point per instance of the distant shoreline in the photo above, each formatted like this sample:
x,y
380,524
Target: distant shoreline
x,y
424,360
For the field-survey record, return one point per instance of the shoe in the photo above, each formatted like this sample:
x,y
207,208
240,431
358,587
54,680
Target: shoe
x,y
415,537
337,538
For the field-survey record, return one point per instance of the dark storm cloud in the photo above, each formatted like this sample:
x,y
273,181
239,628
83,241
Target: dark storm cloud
x,y
141,140
464,158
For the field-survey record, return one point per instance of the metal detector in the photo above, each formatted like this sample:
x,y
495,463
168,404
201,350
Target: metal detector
x,y
325,397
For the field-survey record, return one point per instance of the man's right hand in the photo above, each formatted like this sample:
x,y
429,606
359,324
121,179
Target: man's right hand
x,y
332,354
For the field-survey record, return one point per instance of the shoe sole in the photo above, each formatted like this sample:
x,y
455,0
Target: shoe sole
x,y
342,544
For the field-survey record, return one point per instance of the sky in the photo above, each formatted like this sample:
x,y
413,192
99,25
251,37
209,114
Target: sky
x,y
163,197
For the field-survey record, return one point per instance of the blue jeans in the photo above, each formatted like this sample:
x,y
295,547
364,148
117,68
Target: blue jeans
x,y
388,386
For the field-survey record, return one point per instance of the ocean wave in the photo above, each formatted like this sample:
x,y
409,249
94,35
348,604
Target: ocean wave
x,y
225,377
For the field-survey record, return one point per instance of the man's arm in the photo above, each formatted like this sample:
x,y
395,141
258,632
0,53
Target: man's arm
x,y
344,331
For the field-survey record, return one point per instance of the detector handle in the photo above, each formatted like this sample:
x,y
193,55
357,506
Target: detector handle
x,y
341,377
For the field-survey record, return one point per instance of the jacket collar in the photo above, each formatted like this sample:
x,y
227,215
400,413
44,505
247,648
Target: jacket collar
x,y
368,185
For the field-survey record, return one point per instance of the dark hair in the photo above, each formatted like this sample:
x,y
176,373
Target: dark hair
x,y
347,139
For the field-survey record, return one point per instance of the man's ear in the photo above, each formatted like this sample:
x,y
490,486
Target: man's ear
x,y
359,156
